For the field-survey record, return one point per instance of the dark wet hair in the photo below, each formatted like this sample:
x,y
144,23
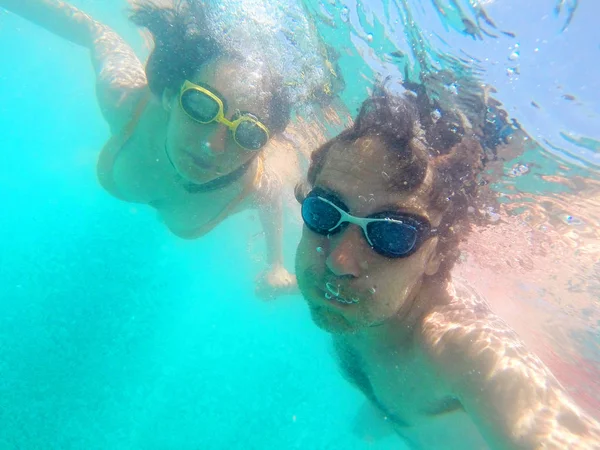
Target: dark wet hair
x,y
452,155
392,119
182,45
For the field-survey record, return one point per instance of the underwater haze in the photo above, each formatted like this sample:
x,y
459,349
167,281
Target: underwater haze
x,y
115,334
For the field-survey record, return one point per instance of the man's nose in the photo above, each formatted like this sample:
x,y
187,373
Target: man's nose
x,y
346,252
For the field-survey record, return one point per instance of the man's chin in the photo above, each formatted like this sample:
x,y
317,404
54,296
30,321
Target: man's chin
x,y
331,321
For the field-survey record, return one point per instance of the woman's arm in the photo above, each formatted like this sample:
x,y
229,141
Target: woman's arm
x,y
508,392
119,72
276,280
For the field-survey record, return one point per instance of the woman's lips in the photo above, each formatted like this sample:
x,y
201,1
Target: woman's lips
x,y
200,162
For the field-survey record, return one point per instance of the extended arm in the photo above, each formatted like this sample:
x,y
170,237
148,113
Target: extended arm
x,y
119,72
276,280
509,393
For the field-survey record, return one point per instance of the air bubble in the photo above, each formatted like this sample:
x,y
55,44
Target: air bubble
x,y
344,14
518,169
370,37
492,215
333,290
319,249
452,88
571,220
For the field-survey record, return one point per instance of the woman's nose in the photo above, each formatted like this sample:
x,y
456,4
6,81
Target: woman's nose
x,y
216,140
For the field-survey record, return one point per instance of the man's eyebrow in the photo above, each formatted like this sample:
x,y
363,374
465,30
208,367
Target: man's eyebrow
x,y
398,210
328,189
392,207
333,192
389,207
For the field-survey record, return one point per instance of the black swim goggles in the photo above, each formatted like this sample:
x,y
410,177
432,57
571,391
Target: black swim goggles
x,y
389,233
203,105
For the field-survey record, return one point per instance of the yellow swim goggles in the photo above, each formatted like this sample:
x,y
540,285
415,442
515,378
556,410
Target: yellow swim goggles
x,y
204,106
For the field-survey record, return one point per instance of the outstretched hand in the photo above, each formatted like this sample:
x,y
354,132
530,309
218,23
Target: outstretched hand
x,y
275,282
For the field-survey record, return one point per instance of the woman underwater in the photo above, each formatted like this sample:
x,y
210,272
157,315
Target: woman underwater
x,y
191,130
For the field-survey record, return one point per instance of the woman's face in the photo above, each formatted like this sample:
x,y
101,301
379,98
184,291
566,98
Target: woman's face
x,y
370,288
202,152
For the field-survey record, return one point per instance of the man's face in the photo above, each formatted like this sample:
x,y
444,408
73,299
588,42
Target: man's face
x,y
349,286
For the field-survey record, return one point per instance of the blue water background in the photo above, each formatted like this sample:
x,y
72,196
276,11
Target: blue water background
x,y
115,334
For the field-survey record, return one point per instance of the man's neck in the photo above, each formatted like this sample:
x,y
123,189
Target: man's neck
x,y
399,330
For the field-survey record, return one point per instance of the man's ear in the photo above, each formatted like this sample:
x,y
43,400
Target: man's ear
x,y
432,265
301,191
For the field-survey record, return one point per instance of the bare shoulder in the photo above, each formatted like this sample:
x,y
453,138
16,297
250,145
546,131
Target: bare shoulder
x,y
116,62
121,79
465,328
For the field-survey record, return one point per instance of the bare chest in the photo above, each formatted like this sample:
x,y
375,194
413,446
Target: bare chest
x,y
412,398
141,173
144,175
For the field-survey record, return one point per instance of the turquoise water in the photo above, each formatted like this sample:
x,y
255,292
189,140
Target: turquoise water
x,y
116,335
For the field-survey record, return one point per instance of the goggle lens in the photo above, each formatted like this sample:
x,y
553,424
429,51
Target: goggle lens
x,y
199,106
250,135
320,216
392,238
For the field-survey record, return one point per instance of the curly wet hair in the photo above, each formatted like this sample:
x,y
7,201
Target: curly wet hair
x,y
182,45
439,152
